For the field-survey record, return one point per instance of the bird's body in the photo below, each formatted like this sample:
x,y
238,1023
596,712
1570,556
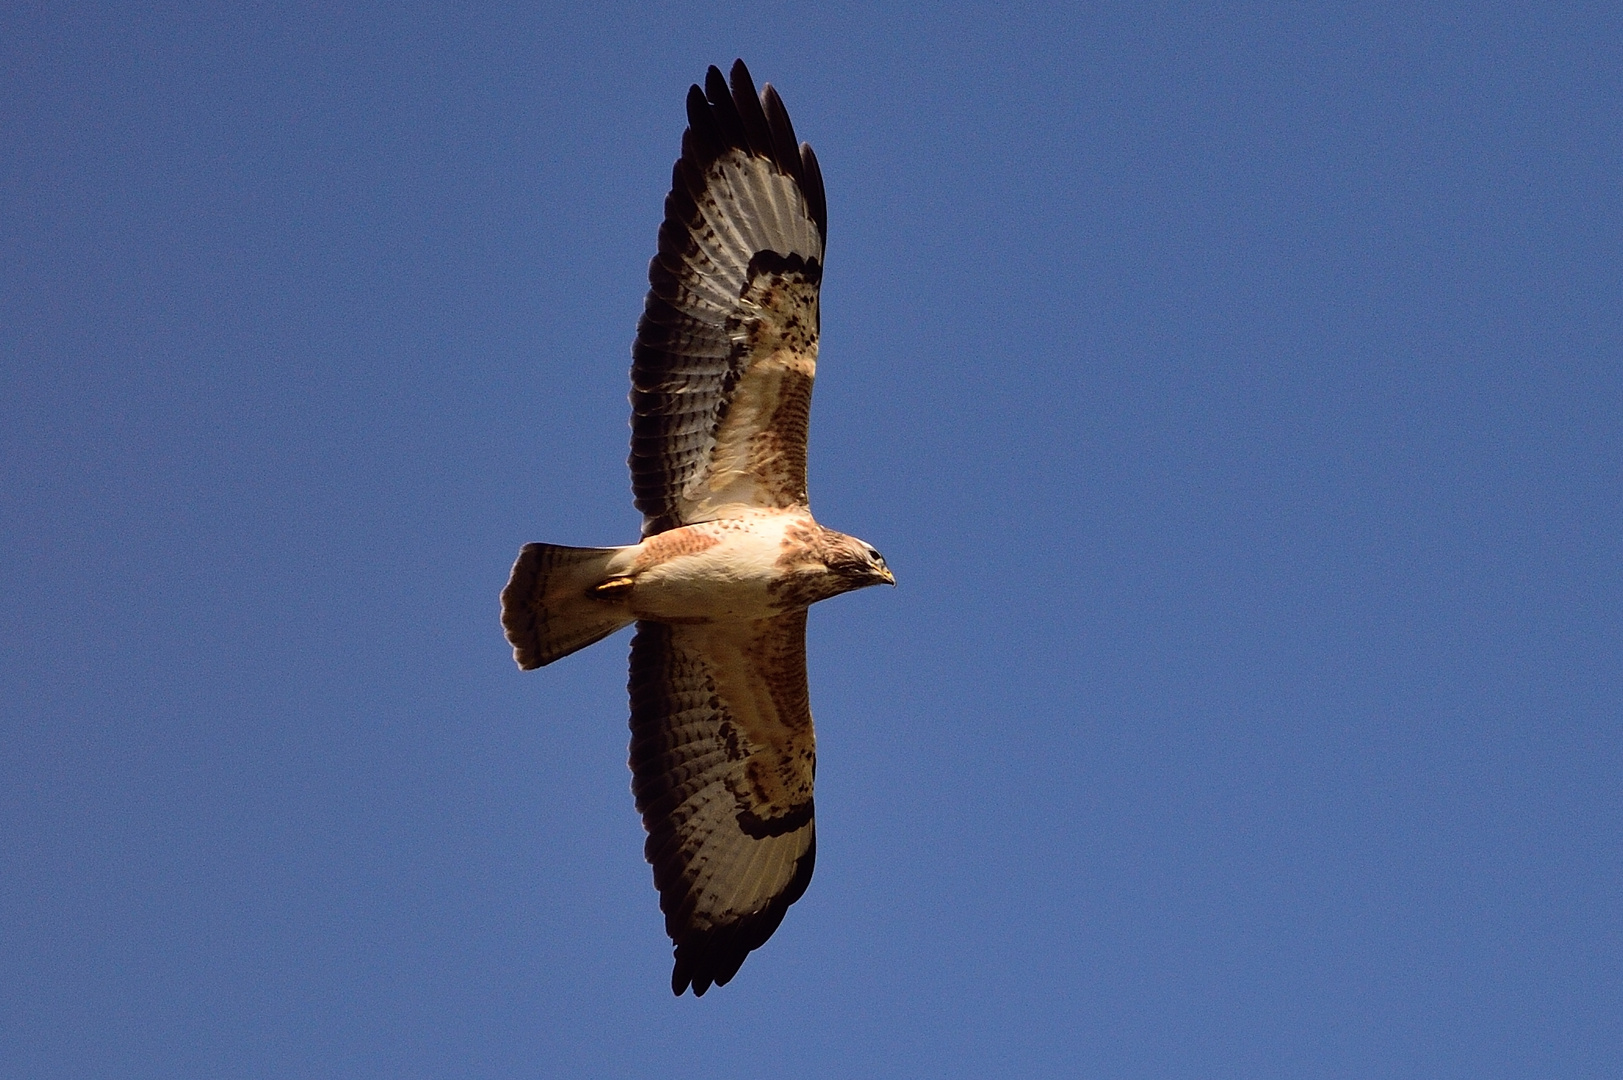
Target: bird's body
x,y
755,565
722,747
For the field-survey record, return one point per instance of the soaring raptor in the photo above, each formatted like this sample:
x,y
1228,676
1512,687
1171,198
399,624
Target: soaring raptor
x,y
722,748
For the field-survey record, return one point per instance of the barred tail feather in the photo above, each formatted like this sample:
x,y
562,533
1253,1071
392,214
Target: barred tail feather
x,y
548,609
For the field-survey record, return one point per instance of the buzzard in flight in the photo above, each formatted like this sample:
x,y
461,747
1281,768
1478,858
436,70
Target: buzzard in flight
x,y
722,748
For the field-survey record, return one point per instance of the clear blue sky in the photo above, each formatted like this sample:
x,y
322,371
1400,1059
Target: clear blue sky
x,y
1237,392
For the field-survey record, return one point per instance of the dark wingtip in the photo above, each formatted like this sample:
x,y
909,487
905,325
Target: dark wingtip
x,y
747,103
728,113
739,76
811,183
702,129
785,147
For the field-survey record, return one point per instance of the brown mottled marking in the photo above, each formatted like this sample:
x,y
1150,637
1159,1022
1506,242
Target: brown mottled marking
x,y
666,546
804,577
778,451
803,541
727,735
771,709
758,452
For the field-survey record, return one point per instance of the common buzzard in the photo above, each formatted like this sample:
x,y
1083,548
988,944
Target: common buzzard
x,y
722,748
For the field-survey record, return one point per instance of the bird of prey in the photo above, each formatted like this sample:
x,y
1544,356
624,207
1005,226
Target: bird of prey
x,y
722,748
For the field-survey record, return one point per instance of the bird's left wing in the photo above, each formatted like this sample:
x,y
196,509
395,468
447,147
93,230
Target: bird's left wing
x,y
722,758
726,348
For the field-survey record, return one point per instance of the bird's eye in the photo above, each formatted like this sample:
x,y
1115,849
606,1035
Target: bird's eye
x,y
875,556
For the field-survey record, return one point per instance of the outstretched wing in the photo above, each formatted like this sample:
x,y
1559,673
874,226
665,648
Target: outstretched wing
x,y
722,758
726,348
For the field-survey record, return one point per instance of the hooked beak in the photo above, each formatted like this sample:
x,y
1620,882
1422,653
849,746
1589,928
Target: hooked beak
x,y
890,578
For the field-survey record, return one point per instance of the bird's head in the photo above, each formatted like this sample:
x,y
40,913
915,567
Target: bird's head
x,y
856,563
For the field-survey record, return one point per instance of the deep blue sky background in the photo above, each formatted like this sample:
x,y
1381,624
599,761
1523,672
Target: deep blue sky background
x,y
1237,392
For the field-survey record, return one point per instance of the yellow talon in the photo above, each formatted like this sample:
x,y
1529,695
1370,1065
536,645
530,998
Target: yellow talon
x,y
612,589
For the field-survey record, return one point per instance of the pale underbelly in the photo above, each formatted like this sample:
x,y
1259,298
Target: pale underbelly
x,y
709,571
697,593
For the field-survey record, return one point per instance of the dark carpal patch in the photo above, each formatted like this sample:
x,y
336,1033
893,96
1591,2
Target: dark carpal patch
x,y
793,267
760,828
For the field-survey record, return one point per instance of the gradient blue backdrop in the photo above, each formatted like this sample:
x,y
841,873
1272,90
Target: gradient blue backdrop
x,y
1236,390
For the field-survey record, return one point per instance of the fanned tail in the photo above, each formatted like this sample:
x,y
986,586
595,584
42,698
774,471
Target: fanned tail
x,y
553,606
